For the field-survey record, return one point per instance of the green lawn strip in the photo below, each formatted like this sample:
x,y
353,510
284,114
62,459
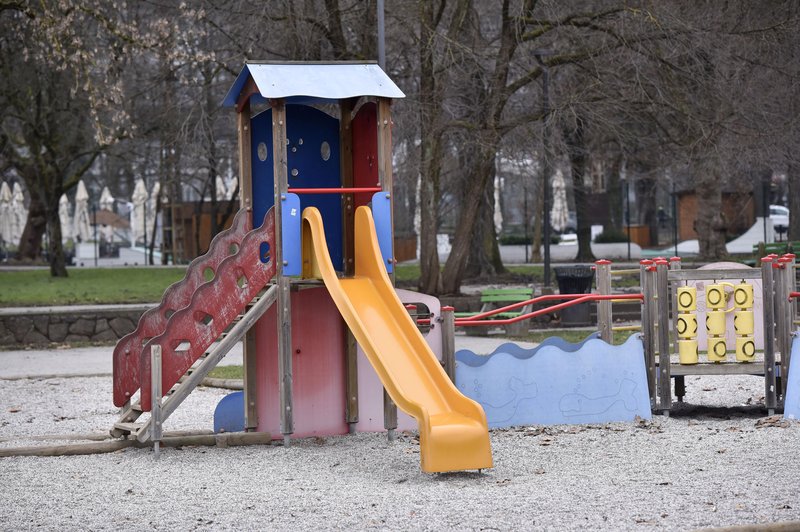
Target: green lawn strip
x,y
86,286
573,336
227,372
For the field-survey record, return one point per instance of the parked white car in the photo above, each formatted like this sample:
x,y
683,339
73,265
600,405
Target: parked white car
x,y
780,220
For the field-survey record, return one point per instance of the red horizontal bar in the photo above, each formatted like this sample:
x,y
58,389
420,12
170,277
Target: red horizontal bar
x,y
351,190
794,295
549,297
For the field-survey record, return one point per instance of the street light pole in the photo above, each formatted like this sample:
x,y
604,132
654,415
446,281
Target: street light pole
x,y
546,159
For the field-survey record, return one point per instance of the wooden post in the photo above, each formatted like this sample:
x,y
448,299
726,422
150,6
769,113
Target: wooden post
x,y
348,249
604,318
155,390
386,183
647,328
783,318
448,342
664,381
243,129
284,310
680,382
768,300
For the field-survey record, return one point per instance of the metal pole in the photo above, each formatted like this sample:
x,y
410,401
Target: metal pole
x,y
525,208
144,223
675,218
546,159
628,217
381,36
94,215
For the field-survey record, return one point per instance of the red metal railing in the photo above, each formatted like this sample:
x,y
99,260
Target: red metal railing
x,y
573,299
350,190
794,295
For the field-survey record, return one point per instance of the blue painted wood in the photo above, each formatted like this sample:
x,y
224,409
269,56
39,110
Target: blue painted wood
x,y
468,357
791,406
229,414
597,383
292,218
306,130
382,215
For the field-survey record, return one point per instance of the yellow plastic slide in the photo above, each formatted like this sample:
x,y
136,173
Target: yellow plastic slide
x,y
453,431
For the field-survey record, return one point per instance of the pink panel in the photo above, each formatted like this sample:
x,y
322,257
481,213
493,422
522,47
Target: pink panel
x,y
318,371
370,390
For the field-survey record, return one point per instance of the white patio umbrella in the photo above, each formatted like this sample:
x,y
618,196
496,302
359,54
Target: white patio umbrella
x,y
81,223
107,204
138,218
5,213
19,214
65,218
559,215
151,212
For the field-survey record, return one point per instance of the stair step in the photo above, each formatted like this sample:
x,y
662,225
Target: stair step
x,y
132,428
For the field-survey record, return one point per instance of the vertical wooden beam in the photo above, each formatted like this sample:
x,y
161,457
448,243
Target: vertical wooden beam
x,y
647,328
448,342
680,382
385,179
783,317
348,249
284,310
664,380
604,319
768,301
244,134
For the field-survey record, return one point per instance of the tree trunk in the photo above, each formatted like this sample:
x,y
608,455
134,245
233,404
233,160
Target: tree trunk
x,y
481,172
58,263
710,223
578,155
793,181
484,257
614,194
30,244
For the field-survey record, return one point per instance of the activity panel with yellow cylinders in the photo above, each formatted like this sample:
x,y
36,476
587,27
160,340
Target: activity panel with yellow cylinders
x,y
453,431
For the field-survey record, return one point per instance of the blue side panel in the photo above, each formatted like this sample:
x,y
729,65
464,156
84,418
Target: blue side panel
x,y
382,214
471,359
312,156
263,181
292,216
791,406
229,414
598,383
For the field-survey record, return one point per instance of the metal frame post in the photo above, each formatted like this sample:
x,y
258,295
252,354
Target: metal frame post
x,y
155,391
768,300
448,319
647,283
662,304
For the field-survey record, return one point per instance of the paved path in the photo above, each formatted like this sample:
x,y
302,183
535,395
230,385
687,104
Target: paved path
x,y
84,361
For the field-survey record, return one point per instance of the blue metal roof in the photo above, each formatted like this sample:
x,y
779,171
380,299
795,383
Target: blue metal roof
x,y
313,82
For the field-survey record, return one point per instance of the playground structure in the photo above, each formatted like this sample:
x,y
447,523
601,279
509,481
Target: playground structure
x,y
309,291
756,316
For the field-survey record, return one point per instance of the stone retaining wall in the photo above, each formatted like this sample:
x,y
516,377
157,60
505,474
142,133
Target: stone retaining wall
x,y
40,327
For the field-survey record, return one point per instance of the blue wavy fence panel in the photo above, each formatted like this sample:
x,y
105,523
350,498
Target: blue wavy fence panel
x,y
791,405
595,382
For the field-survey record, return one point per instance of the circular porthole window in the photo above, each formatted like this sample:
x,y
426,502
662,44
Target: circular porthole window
x,y
325,150
262,152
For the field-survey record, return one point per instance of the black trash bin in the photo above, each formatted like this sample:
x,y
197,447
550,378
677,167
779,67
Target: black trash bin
x,y
575,279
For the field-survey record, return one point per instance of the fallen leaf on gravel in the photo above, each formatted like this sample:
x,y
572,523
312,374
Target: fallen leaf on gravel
x,y
663,483
709,389
784,507
539,471
504,481
721,451
733,429
534,432
14,409
546,441
772,421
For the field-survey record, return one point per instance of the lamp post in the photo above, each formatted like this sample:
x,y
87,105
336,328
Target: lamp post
x,y
546,159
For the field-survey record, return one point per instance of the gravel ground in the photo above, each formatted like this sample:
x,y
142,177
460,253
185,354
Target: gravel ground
x,y
716,461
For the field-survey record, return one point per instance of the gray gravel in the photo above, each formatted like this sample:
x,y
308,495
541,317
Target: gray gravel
x,y
716,461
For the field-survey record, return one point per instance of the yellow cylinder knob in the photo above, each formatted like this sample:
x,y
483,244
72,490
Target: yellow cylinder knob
x,y
716,349
715,322
745,349
743,296
687,298
715,296
687,326
743,322
688,352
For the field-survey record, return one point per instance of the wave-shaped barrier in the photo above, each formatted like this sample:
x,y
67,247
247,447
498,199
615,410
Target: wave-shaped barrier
x,y
558,382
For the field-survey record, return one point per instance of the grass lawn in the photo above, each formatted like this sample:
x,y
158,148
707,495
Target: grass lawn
x,y
227,372
86,286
